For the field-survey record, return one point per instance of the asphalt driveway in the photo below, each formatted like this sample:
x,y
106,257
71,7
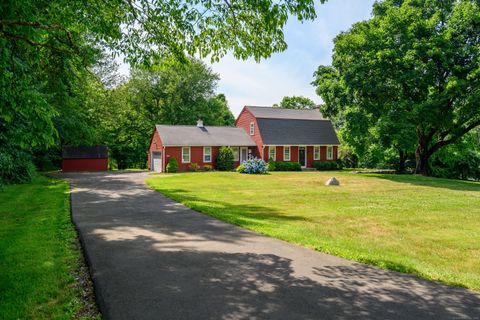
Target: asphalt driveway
x,y
152,258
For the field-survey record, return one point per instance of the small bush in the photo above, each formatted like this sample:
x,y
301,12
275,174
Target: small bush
x,y
271,165
207,167
172,166
286,166
326,166
253,166
15,167
225,159
194,167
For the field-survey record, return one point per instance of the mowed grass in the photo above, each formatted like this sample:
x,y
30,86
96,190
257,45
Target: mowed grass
x,y
38,252
425,226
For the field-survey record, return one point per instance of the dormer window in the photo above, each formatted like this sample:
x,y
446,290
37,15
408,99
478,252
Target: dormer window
x,y
252,128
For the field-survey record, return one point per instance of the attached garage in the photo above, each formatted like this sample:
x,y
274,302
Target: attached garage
x,y
85,158
156,161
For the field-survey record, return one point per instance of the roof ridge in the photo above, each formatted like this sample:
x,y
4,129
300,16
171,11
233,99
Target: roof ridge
x,y
286,119
193,125
282,108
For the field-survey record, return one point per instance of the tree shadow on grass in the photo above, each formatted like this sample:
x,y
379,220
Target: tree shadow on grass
x,y
100,195
417,180
239,214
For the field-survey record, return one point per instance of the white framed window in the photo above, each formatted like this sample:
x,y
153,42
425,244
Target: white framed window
x,y
236,154
185,154
272,153
316,152
286,153
207,154
252,128
330,153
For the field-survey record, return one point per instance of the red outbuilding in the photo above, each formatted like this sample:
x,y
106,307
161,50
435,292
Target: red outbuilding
x,y
85,158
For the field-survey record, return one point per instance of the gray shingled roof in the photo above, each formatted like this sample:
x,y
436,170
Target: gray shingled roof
x,y
281,113
297,132
85,152
205,136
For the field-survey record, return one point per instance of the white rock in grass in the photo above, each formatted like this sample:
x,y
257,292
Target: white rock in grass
x,y
332,182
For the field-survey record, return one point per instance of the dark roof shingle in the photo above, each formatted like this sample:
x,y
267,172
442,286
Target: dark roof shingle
x,y
282,113
297,132
85,152
203,136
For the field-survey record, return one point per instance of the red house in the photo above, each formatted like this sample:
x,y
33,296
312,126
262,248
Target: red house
x,y
290,135
91,158
302,136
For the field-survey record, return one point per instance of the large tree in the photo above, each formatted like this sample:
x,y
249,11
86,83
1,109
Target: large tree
x,y
46,46
414,66
168,93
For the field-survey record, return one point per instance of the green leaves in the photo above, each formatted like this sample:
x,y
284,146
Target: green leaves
x,y
296,102
168,93
413,68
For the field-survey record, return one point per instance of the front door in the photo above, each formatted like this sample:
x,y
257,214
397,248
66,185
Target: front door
x,y
302,156
243,154
157,161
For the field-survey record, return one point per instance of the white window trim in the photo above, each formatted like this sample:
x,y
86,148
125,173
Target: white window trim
x,y
330,157
236,156
204,148
274,153
189,155
319,152
252,128
240,154
289,153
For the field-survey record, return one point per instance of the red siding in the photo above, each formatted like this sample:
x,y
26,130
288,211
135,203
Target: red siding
x,y
196,156
243,121
155,145
323,153
309,156
85,164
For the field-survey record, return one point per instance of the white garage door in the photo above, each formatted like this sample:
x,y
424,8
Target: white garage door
x,y
157,161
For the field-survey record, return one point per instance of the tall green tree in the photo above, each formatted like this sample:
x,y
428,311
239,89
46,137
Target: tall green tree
x,y
296,102
46,46
416,63
169,93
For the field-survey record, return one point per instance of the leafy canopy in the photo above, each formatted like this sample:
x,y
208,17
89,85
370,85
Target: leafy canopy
x,y
410,72
143,30
168,93
48,50
296,102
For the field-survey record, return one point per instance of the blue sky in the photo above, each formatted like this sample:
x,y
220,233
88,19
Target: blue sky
x,y
290,73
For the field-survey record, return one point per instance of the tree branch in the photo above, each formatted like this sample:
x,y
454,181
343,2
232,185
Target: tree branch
x,y
31,24
453,139
29,41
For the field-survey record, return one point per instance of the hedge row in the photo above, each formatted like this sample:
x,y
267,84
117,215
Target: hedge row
x,y
284,166
326,166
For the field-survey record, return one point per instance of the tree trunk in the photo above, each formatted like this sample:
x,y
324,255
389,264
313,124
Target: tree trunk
x,y
401,162
421,156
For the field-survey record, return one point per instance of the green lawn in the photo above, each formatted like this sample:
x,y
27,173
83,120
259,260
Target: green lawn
x,y
426,226
39,253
